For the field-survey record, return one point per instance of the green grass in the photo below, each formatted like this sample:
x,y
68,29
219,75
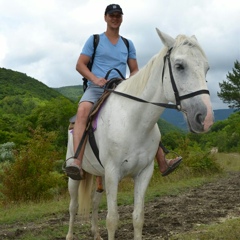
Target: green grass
x,y
27,212
229,161
228,230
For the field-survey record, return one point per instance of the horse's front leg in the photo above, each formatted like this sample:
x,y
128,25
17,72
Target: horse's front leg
x,y
95,206
141,182
73,206
111,185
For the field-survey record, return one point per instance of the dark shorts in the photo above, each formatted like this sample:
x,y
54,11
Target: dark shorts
x,y
92,94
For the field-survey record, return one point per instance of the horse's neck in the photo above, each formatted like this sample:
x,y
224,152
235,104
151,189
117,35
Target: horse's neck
x,y
147,83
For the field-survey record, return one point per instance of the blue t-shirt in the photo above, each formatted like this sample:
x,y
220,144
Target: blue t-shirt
x,y
109,56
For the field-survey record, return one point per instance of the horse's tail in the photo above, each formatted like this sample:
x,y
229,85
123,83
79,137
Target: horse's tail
x,y
85,196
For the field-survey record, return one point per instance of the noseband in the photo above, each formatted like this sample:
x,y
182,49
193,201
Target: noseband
x,y
174,86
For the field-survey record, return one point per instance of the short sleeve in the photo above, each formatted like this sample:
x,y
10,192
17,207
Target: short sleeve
x,y
132,50
88,47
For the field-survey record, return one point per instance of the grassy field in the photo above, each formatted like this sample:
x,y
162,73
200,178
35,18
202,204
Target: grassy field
x,y
228,230
25,213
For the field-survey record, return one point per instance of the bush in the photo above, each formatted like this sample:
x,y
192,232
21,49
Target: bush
x,y
32,175
199,161
6,153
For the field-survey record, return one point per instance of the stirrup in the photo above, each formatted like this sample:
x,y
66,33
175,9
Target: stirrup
x,y
165,150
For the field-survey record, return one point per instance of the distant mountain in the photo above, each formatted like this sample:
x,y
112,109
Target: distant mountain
x,y
71,92
222,114
176,118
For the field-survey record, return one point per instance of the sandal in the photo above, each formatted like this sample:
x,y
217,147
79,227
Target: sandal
x,y
172,167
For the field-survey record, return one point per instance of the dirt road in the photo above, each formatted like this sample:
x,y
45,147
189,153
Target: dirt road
x,y
166,216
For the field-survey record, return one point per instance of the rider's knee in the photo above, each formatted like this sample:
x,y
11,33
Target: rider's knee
x,y
84,110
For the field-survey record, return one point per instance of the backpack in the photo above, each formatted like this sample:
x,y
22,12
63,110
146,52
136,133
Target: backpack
x,y
95,44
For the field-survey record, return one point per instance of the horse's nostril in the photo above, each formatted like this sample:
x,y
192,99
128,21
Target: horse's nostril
x,y
199,119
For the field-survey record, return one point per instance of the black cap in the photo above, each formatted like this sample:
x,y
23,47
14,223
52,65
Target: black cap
x,y
113,8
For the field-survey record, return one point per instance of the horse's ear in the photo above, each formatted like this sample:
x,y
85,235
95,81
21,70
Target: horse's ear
x,y
193,36
166,39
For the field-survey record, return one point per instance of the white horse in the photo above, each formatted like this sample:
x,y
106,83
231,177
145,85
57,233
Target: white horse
x,y
127,134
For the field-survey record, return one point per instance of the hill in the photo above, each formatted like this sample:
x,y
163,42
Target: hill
x,y
26,103
15,83
72,92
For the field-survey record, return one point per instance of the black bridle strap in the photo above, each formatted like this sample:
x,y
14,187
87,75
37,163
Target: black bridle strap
x,y
165,105
174,86
109,71
204,91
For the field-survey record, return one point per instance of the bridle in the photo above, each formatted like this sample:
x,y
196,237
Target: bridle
x,y
174,86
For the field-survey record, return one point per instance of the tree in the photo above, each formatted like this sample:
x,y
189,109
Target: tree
x,y
230,89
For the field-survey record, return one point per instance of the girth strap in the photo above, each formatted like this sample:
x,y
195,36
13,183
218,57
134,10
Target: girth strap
x,y
80,144
93,144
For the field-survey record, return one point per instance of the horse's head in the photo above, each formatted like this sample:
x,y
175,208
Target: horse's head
x,y
185,68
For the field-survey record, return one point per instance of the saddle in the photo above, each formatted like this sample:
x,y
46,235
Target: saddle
x,y
111,84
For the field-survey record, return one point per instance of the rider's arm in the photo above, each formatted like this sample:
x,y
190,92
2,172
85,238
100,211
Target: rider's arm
x,y
82,68
133,66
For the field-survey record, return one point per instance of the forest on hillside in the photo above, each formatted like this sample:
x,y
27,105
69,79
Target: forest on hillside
x,y
26,103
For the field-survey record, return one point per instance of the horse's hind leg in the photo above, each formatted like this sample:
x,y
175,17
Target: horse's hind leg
x,y
96,201
140,186
73,207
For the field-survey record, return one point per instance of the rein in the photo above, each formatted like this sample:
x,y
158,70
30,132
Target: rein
x,y
174,86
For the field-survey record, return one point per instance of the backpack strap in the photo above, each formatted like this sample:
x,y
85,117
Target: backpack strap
x,y
95,44
126,43
90,63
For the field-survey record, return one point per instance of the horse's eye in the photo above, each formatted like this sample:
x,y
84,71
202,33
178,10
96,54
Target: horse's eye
x,y
179,66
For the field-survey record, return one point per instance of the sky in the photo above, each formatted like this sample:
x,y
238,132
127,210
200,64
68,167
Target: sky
x,y
44,38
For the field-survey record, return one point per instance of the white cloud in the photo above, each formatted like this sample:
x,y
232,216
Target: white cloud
x,y
43,38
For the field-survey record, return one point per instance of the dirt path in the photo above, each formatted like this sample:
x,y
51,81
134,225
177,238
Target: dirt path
x,y
169,215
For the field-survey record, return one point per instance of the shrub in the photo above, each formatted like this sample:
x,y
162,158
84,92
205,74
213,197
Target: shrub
x,y
6,153
32,175
198,160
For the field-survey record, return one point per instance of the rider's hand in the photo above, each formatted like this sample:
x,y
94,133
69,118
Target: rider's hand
x,y
100,81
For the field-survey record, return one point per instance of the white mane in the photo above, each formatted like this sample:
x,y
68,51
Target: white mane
x,y
136,83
